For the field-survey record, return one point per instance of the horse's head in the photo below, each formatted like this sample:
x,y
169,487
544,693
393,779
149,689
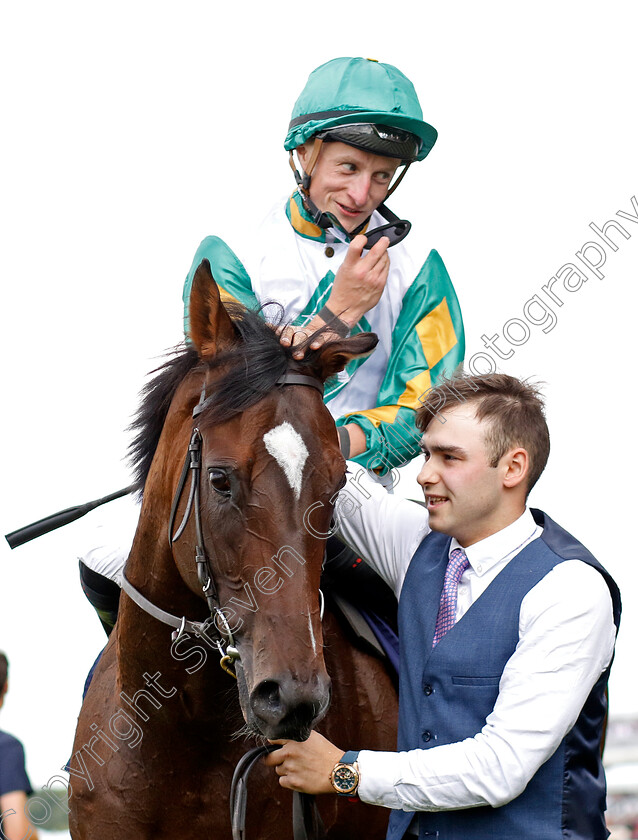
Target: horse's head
x,y
270,472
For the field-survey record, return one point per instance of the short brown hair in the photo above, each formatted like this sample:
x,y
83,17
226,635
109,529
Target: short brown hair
x,y
514,410
4,671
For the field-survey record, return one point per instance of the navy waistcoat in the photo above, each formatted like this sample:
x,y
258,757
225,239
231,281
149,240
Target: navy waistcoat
x,y
447,693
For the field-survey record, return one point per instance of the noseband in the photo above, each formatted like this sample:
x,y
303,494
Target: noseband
x,y
222,635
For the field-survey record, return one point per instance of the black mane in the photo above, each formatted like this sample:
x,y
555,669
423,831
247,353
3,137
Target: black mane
x,y
251,369
151,414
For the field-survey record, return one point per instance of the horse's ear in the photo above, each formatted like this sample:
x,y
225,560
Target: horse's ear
x,y
210,326
335,355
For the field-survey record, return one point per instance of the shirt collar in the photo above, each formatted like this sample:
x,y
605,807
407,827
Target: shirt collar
x,y
300,219
502,545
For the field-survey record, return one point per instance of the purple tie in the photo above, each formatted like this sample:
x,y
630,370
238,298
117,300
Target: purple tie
x,y
446,618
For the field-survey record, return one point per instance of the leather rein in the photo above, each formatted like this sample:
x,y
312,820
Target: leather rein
x,y
222,636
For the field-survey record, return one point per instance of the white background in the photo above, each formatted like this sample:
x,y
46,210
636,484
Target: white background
x,y
132,130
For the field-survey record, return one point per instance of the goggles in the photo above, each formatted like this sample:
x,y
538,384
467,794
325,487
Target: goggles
x,y
380,140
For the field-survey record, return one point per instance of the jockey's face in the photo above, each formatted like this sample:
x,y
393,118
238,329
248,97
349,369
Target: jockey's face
x,y
347,182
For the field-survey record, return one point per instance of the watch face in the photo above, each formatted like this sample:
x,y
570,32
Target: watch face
x,y
345,778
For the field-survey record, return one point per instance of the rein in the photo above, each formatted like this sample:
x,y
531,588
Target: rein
x,y
306,820
224,642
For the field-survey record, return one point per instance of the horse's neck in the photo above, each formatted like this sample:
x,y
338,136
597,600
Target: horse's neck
x,y
187,670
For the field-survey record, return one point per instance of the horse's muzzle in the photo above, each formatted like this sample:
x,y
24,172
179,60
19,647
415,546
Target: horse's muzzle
x,y
288,708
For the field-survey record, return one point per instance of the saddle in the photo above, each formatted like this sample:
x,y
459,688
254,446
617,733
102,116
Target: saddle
x,y
363,603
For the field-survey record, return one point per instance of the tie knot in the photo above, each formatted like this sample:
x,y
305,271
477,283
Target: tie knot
x,y
457,564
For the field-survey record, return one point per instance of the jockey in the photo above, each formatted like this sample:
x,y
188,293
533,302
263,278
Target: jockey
x,y
323,255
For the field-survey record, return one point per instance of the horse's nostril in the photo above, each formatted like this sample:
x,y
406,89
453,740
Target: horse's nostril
x,y
266,700
288,709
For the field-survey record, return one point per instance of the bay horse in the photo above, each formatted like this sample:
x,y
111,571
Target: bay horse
x,y
232,541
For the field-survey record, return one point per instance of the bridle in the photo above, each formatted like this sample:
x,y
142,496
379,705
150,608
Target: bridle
x,y
222,636
307,823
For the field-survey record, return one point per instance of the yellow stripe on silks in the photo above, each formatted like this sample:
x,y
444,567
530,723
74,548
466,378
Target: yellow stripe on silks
x,y
383,414
225,296
437,336
414,389
301,225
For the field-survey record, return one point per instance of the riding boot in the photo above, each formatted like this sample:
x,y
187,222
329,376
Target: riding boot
x,y
351,577
103,595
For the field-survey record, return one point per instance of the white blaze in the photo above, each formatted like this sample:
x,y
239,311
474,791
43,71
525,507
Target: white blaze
x,y
312,636
286,446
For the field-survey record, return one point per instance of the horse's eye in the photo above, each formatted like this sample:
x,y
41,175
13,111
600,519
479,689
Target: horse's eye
x,y
219,481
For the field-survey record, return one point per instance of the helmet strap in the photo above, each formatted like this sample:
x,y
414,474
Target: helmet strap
x,y
397,181
303,181
322,220
314,156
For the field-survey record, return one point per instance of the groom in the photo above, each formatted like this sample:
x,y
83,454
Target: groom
x,y
507,630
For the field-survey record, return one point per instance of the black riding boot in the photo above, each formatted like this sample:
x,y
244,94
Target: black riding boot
x,y
103,595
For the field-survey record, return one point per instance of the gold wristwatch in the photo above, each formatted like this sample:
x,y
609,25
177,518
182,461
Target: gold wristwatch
x,y
345,774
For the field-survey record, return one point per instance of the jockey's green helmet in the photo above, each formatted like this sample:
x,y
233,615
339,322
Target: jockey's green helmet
x,y
364,103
